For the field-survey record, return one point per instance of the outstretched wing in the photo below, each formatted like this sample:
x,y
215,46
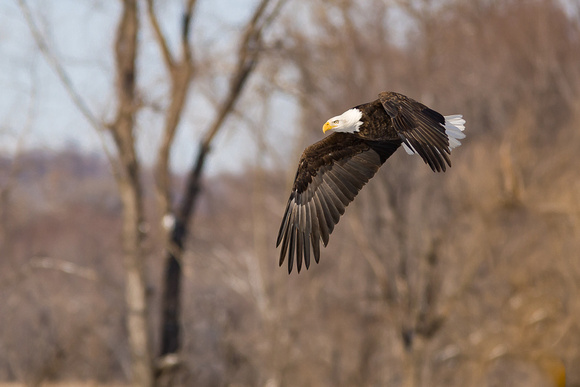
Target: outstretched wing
x,y
330,174
423,130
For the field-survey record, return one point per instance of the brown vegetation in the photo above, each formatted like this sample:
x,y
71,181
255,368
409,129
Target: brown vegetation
x,y
464,278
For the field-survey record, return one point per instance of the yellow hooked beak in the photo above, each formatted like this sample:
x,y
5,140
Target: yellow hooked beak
x,y
327,126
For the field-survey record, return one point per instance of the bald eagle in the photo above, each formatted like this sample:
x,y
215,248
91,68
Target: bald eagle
x,y
332,171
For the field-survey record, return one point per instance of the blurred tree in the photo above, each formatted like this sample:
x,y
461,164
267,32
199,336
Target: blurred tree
x,y
181,71
127,166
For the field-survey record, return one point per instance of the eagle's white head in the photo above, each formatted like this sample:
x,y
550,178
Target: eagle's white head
x,y
348,122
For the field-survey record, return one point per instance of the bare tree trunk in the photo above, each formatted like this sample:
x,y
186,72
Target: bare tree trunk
x,y
131,196
171,301
248,54
181,71
135,287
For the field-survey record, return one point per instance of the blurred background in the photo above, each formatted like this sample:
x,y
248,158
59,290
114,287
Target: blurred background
x,y
147,154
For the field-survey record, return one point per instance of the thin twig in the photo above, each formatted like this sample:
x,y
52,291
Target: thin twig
x,y
161,41
248,54
181,72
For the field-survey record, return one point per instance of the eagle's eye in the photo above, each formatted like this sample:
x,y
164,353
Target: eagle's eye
x,y
335,122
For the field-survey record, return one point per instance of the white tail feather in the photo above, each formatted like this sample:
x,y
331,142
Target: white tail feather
x,y
454,127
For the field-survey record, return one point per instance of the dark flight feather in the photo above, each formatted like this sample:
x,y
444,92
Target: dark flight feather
x,y
318,188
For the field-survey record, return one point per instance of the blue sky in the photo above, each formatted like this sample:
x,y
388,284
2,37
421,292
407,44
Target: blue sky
x,y
36,112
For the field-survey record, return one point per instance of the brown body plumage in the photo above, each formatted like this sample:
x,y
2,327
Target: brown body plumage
x,y
332,171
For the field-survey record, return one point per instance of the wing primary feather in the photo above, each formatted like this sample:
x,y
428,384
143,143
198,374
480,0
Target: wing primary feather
x,y
284,225
334,204
326,207
336,189
369,167
322,222
291,248
302,218
434,115
314,227
299,248
445,157
307,217
347,179
286,236
326,225
421,151
434,137
315,247
358,171
345,191
307,233
306,246
439,141
283,250
355,177
365,160
432,151
427,149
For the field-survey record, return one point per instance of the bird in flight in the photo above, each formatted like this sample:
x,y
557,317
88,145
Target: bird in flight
x,y
332,171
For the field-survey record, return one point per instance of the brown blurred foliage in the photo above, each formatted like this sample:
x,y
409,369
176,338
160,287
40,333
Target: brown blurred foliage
x,y
464,278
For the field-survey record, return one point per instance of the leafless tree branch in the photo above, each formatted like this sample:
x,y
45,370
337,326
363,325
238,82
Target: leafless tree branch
x,y
248,54
160,38
181,72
